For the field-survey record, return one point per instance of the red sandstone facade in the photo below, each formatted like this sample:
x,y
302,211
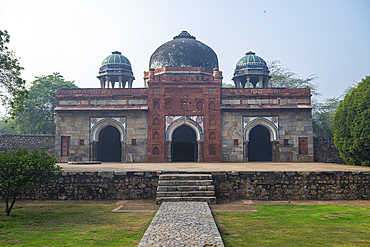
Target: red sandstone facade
x,y
186,95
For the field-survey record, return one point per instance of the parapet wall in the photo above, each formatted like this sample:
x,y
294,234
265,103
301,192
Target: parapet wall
x,y
9,141
292,185
228,186
325,151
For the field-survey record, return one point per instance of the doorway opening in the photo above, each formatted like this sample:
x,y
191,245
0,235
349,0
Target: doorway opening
x,y
184,145
259,146
109,145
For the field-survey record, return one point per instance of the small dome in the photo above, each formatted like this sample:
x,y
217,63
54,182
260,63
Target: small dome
x,y
184,51
251,71
116,61
251,61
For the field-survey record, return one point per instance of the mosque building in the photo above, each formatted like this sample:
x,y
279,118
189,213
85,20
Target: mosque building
x,y
183,114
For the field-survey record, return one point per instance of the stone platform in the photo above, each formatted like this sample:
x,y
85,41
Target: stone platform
x,y
193,166
182,224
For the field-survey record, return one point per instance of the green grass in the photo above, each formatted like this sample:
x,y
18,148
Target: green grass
x,y
292,225
72,225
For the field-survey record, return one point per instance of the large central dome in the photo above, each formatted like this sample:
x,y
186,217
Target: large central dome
x,y
184,51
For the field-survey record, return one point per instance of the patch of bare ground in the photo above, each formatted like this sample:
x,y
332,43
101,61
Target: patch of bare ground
x,y
232,206
313,202
136,206
328,216
247,205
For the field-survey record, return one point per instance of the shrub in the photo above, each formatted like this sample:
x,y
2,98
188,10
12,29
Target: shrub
x,y
352,125
21,170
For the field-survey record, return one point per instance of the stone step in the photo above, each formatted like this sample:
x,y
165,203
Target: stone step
x,y
184,182
209,199
186,188
185,177
185,194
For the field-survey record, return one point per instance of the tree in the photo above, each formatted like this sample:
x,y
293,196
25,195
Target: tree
x,y
12,87
284,77
6,127
38,116
227,85
323,117
324,112
352,125
21,170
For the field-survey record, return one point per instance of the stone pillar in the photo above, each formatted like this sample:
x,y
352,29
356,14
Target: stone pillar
x,y
237,83
123,152
247,84
120,82
93,151
107,81
245,151
130,83
275,151
169,156
199,159
102,83
260,82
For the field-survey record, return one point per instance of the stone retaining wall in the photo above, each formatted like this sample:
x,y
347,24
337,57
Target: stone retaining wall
x,y
9,141
98,185
325,151
228,186
292,185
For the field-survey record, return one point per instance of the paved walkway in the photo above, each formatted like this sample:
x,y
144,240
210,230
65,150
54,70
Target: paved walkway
x,y
192,166
182,224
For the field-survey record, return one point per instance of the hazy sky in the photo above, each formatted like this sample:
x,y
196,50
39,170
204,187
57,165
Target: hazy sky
x,y
328,38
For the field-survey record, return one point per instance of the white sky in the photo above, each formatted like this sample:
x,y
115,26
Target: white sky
x,y
322,37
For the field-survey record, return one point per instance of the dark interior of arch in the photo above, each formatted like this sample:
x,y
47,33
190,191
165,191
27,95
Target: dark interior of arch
x,y
109,145
259,146
184,145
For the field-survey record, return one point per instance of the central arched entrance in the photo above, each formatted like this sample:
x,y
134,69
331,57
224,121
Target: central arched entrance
x,y
259,146
184,145
109,145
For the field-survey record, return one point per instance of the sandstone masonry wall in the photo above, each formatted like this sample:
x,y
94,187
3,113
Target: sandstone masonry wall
x,y
76,125
232,185
325,151
9,141
292,124
292,185
137,128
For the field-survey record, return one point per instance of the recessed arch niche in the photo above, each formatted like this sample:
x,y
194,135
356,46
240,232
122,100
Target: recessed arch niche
x,y
259,146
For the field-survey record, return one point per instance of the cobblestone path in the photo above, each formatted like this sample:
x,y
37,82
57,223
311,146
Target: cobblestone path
x,y
182,224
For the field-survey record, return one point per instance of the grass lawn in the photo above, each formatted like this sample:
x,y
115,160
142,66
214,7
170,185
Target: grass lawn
x,y
296,225
71,225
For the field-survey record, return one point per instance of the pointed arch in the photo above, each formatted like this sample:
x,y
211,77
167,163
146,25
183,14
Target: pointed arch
x,y
97,124
267,122
212,135
156,121
156,105
184,120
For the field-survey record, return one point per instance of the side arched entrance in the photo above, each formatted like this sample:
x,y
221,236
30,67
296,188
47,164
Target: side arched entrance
x,y
108,139
184,145
259,146
109,145
260,138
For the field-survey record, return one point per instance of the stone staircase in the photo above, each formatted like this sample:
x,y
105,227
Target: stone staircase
x,y
185,188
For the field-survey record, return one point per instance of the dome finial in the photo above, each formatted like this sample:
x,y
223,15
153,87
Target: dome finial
x,y
250,53
184,35
116,52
